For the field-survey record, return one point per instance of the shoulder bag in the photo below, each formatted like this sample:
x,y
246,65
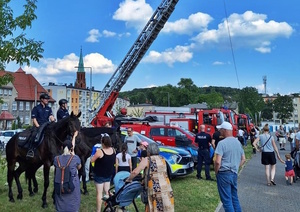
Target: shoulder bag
x,y
260,148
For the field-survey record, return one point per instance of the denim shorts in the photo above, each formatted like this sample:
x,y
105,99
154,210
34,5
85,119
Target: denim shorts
x,y
100,180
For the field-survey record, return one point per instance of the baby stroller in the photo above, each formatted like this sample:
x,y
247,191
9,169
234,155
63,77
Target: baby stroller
x,y
296,165
124,193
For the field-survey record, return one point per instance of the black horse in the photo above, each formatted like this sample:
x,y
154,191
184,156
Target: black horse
x,y
85,141
54,135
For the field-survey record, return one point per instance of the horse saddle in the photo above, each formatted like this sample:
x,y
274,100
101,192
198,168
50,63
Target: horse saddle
x,y
26,139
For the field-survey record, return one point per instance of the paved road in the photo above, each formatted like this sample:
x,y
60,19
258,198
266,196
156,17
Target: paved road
x,y
255,195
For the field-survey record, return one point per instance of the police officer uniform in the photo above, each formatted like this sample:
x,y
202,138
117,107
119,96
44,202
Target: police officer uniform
x,y
62,112
204,140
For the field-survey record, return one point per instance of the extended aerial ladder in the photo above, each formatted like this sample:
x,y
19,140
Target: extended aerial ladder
x,y
111,90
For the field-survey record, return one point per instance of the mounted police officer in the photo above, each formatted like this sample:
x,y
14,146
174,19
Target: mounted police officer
x,y
40,114
204,141
62,112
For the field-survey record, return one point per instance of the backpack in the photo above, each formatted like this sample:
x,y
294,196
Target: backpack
x,y
63,182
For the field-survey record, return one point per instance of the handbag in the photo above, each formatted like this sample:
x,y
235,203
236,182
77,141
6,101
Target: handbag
x,y
144,194
260,148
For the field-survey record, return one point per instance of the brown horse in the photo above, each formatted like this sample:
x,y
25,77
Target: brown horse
x,y
54,135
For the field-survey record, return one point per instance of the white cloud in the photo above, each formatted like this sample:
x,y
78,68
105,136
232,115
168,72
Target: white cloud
x,y
246,30
107,33
134,12
94,35
151,86
178,54
218,63
195,23
260,88
54,69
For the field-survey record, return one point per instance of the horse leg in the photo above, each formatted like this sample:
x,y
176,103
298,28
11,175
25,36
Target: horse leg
x,y
17,174
28,179
10,177
35,184
83,176
46,171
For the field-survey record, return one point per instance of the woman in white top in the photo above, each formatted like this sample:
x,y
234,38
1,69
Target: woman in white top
x,y
268,150
123,160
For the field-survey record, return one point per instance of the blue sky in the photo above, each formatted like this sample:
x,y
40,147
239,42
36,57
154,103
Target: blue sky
x,y
193,44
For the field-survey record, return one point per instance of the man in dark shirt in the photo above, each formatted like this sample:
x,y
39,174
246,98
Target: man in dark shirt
x,y
252,138
204,140
40,114
62,112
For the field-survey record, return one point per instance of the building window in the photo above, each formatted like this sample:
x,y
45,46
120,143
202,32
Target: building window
x,y
5,91
26,119
1,91
27,106
9,92
14,106
21,107
4,106
21,120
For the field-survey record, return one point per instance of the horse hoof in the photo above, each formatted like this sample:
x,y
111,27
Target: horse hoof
x,y
11,199
20,196
31,194
85,193
35,190
44,205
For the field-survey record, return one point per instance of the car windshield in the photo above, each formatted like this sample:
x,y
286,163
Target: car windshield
x,y
188,132
144,138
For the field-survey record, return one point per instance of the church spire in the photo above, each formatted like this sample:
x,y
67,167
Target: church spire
x,y
80,80
80,64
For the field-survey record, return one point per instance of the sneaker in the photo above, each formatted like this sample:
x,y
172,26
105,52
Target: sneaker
x,y
30,154
210,179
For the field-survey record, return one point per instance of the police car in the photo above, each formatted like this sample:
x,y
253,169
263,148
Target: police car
x,y
179,161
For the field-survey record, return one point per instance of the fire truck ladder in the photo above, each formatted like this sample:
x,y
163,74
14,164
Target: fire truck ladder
x,y
133,57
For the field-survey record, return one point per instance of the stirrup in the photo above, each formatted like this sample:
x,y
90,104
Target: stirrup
x,y
30,154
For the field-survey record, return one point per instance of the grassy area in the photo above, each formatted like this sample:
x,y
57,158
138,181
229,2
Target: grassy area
x,y
190,194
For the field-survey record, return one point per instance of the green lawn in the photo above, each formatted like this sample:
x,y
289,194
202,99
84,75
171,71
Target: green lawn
x,y
190,194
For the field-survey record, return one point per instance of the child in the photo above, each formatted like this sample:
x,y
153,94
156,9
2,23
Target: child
x,y
123,160
289,171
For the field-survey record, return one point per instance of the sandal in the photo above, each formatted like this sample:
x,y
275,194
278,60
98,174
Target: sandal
x,y
272,181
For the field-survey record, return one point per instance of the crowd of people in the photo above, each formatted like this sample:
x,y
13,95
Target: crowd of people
x,y
228,157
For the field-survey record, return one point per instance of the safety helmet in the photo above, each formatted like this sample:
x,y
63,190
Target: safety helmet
x,y
44,96
62,101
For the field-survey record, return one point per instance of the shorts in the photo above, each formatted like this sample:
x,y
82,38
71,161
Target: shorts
x,y
282,140
290,173
100,180
268,158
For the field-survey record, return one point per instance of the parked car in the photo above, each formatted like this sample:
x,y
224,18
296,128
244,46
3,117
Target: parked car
x,y
179,161
7,134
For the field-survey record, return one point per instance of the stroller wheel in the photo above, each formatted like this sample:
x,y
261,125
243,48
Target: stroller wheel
x,y
108,208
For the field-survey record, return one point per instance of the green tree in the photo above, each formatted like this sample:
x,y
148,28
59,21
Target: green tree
x,y
267,112
213,99
15,46
283,105
251,101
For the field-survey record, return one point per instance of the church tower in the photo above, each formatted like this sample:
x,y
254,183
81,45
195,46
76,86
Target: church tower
x,y
80,79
